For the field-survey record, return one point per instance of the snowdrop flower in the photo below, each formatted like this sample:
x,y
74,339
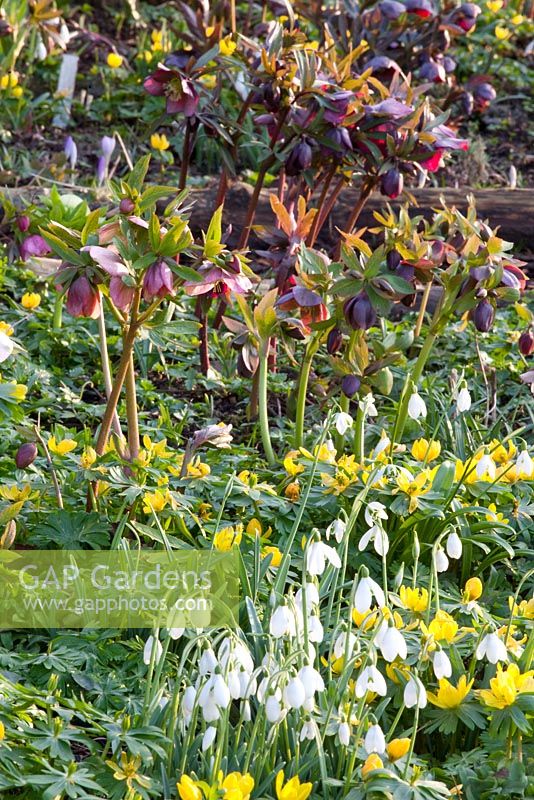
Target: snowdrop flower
x,y
492,648
6,346
175,633
370,679
308,730
282,622
415,693
442,562
391,642
294,693
317,556
345,642
221,692
343,422
273,709
208,662
367,589
336,529
454,545
315,629
383,444
375,511
524,464
463,401
246,712
343,733
375,741
441,665
311,680
378,536
486,466
208,738
71,151
416,406
312,595
40,51
367,405
188,703
150,645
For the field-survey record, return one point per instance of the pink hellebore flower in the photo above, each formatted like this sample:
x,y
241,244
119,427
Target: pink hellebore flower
x,y
83,299
182,97
158,281
216,281
110,261
34,245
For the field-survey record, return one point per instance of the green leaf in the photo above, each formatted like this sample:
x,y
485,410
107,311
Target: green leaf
x,y
138,174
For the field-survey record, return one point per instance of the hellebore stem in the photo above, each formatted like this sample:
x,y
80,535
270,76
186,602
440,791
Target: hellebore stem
x,y
58,312
251,210
359,435
317,222
303,380
421,317
262,401
186,152
131,409
365,192
106,369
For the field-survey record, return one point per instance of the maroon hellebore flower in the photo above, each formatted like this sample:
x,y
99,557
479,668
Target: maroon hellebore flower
x,y
182,97
359,312
83,299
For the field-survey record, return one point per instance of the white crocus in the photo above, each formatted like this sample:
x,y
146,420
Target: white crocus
x,y
441,665
6,346
318,555
378,536
343,422
294,693
454,545
391,642
370,679
208,738
442,562
151,645
375,741
492,648
367,589
336,529
524,465
416,406
463,401
415,693
486,467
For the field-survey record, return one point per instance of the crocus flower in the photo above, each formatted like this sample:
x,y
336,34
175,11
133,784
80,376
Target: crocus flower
x,y
34,245
71,151
107,146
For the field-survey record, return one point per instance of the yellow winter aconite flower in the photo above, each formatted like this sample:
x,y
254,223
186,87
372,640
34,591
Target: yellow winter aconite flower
x,y
114,60
495,516
366,620
291,466
9,81
127,771
158,449
524,609
197,468
61,448
517,19
236,786
17,391
276,555
506,685
2,731
188,789
371,762
414,599
30,300
155,501
412,486
495,5
397,748
292,491
227,46
502,32
14,494
424,450
88,457
158,141
6,328
450,696
472,590
226,538
442,628
293,789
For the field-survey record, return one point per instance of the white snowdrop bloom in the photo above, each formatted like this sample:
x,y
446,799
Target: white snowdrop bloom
x,y
375,741
188,701
246,712
317,556
492,648
486,467
312,596
248,684
208,738
367,405
210,711
234,684
463,401
315,629
343,422
370,679
441,665
336,529
367,589
282,622
40,51
382,445
273,709
175,633
378,536
442,562
415,693
294,693
208,662
343,733
524,464
309,705
416,406
345,643
454,545
6,346
64,34
150,645
391,642
375,511
308,730
235,652
311,680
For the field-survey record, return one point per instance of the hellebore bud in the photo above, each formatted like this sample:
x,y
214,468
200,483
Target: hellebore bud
x,y
350,385
483,95
359,312
126,206
158,281
421,8
83,299
483,316
23,223
526,343
299,159
334,341
391,9
26,455
393,259
392,183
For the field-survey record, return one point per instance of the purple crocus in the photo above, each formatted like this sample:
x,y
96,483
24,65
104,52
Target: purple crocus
x,y
71,151
107,146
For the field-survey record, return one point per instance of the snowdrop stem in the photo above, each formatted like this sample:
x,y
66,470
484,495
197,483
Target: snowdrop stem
x,y
385,578
359,436
303,380
150,673
412,378
58,312
412,741
395,722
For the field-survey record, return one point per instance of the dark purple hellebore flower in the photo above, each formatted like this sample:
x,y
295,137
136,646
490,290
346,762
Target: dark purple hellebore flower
x,y
350,385
392,183
299,159
182,97
359,312
483,316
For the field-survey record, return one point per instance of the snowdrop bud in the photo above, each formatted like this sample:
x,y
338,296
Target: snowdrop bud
x,y
345,643
294,693
463,402
416,547
416,406
441,665
454,545
40,51
273,710
343,422
524,464
415,693
492,648
246,713
151,644
188,700
399,577
486,467
391,642
280,622
175,633
375,741
343,733
208,662
221,692
336,529
441,560
208,738
311,680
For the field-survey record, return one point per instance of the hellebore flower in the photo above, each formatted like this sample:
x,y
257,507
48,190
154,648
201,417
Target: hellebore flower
x,y
433,71
446,139
23,223
388,108
182,97
337,106
299,159
483,95
483,316
120,292
83,299
350,385
216,281
34,245
392,183
465,16
526,343
391,9
421,8
359,312
158,281
26,455
334,341
71,151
